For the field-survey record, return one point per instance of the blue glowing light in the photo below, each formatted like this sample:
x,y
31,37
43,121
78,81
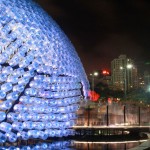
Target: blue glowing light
x,y
41,76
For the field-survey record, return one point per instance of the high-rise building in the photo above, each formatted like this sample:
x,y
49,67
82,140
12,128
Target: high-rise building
x,y
123,73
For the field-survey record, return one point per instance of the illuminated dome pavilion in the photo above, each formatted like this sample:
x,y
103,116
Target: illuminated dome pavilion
x,y
42,79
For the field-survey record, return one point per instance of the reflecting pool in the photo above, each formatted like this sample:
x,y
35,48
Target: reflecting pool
x,y
70,145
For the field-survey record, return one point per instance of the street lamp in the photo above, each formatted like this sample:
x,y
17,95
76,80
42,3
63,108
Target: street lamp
x,y
128,66
94,74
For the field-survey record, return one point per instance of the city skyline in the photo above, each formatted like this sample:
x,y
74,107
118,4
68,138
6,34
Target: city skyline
x,y
102,30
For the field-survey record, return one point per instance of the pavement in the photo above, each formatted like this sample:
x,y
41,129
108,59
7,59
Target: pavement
x,y
144,145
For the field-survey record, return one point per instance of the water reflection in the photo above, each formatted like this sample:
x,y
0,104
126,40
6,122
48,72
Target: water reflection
x,y
59,145
106,145
72,145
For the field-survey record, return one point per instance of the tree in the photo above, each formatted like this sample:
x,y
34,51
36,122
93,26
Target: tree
x,y
105,91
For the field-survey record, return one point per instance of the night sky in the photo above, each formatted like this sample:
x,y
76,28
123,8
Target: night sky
x,y
101,30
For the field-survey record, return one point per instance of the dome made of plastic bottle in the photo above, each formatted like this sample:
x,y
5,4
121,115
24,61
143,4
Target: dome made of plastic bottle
x,y
41,76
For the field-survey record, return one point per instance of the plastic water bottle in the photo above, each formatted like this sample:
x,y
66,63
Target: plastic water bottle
x,y
43,136
18,88
5,127
6,87
17,126
33,133
2,115
28,125
12,137
12,117
23,135
7,70
23,117
6,105
12,96
24,99
2,138
2,94
3,77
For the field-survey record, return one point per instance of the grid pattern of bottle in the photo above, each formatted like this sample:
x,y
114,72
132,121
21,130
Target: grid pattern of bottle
x,y
41,76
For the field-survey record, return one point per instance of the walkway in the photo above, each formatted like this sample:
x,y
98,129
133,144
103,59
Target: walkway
x,y
143,146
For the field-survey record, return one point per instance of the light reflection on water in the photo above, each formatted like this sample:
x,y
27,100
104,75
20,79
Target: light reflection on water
x,y
72,145
106,145
59,145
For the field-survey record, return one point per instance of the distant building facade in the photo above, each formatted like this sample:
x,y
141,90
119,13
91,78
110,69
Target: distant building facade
x,y
141,81
123,73
147,80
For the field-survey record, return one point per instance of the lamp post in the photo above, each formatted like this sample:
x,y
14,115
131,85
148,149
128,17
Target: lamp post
x,y
94,74
128,66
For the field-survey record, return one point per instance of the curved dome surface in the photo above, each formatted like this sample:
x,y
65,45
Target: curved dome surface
x,y
41,76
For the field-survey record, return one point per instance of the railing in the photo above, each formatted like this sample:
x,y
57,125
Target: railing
x,y
115,114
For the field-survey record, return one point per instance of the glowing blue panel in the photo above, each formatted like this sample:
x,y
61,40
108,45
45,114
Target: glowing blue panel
x,y
41,76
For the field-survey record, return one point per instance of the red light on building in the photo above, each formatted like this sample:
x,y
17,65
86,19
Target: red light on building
x,y
105,72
